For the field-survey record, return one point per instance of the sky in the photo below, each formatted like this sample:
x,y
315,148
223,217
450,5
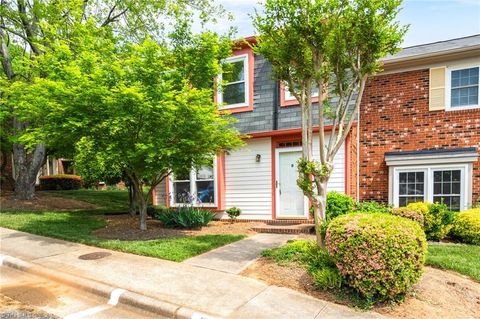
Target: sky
x,y
429,20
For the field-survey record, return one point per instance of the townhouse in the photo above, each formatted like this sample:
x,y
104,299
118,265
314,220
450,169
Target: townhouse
x,y
417,137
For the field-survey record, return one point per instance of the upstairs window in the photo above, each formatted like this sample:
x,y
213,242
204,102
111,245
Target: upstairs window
x,y
289,96
464,88
287,99
234,88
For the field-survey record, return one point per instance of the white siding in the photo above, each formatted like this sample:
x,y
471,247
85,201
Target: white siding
x,y
248,184
160,194
337,179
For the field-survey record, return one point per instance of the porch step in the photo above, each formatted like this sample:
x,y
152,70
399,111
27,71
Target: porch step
x,y
286,222
285,229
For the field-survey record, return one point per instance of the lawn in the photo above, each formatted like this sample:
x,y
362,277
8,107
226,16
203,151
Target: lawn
x,y
114,200
464,259
77,226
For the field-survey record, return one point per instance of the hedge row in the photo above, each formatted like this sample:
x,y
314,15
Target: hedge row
x,y
60,182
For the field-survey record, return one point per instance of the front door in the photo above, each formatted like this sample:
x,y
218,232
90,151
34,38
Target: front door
x,y
290,198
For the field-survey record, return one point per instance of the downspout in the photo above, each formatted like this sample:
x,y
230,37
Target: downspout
x,y
276,93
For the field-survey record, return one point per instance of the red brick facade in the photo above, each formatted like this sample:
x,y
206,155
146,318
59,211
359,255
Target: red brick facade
x,y
395,117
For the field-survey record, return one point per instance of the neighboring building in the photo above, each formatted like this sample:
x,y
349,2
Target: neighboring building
x,y
418,138
420,126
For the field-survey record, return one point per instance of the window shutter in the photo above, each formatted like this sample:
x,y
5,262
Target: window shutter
x,y
437,89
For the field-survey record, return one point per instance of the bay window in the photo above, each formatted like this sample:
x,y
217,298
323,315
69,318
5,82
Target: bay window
x,y
436,176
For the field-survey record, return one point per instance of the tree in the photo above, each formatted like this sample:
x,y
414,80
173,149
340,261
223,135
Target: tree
x,y
30,29
334,46
143,109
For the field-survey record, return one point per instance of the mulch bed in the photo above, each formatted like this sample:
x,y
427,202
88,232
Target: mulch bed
x,y
42,202
439,295
125,227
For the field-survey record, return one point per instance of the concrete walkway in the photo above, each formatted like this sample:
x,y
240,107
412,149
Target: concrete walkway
x,y
215,293
235,257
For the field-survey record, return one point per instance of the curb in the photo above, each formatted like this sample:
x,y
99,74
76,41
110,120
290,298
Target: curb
x,y
128,298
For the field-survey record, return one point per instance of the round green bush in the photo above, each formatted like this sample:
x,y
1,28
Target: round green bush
x,y
408,213
466,226
379,255
338,204
437,219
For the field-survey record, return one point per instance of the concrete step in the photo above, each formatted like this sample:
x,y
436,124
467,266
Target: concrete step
x,y
287,222
285,229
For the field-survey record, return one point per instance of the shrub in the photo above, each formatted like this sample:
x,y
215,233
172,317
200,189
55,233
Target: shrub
x,y
466,226
184,217
60,182
379,255
327,278
420,207
233,213
316,260
408,213
371,207
338,204
437,219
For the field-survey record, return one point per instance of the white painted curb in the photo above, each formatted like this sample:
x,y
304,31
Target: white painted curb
x,y
114,295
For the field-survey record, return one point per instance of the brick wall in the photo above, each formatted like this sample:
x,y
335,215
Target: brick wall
x,y
395,117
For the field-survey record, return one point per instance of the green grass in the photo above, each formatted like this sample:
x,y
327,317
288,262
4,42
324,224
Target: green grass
x,y
77,226
464,259
114,200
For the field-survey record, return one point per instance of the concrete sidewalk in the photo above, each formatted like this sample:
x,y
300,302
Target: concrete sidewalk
x,y
208,291
237,256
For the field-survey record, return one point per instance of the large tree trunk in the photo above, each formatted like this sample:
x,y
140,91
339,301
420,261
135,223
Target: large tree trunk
x,y
140,200
26,165
26,168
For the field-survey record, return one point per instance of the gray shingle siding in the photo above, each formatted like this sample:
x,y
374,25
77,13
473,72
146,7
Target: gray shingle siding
x,y
261,118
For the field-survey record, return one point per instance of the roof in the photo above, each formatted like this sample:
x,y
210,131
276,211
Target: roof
x,y
418,55
436,49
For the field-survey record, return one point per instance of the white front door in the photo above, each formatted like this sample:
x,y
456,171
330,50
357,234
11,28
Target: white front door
x,y
290,199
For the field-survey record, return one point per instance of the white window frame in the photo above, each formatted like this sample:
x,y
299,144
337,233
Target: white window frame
x,y
428,188
193,188
236,58
448,88
396,187
289,97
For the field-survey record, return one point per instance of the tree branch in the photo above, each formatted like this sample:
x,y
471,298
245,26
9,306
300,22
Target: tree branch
x,y
5,57
27,26
352,118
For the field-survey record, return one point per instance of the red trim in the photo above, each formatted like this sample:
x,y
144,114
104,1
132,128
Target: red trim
x,y
290,131
246,42
292,136
154,196
291,102
347,164
251,65
220,182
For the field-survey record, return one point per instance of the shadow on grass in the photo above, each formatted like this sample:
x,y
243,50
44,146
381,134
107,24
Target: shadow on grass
x,y
78,227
